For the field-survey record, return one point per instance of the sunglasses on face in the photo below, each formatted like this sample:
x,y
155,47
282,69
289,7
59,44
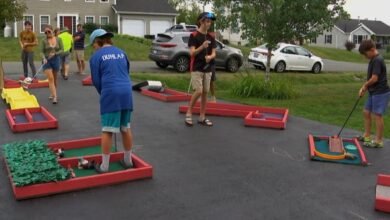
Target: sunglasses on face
x,y
48,32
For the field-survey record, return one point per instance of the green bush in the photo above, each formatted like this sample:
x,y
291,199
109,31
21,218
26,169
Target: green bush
x,y
137,39
388,49
251,86
90,27
387,56
110,28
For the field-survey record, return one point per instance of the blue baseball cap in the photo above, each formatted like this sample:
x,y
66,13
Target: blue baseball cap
x,y
99,33
208,15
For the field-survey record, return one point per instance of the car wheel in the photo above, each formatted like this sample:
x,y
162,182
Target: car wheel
x,y
316,68
182,64
162,65
280,67
232,65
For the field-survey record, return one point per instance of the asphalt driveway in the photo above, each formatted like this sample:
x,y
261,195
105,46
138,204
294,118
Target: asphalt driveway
x,y
224,172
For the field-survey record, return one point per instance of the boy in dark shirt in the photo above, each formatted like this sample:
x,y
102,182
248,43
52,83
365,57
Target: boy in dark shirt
x,y
202,50
379,94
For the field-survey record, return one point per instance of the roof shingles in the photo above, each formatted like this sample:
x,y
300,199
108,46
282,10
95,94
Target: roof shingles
x,y
144,6
378,27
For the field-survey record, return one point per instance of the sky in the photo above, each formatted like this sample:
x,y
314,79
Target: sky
x,y
371,9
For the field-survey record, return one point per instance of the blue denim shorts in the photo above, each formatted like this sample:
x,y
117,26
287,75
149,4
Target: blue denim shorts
x,y
114,122
53,63
378,104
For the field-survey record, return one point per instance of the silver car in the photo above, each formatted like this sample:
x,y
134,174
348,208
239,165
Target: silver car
x,y
172,49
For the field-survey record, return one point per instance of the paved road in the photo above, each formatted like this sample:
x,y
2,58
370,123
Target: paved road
x,y
150,67
224,172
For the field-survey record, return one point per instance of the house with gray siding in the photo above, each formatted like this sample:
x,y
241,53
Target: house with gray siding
x,y
133,17
354,30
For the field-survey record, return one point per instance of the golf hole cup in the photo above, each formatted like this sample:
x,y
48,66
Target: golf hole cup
x,y
351,149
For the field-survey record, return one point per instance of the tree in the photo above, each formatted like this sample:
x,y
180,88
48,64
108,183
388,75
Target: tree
x,y
188,10
275,21
11,10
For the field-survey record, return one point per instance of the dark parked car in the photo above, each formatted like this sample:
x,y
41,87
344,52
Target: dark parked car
x,y
172,49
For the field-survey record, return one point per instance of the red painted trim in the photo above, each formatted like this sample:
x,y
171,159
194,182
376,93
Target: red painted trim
x,y
244,111
142,170
382,204
169,95
383,180
311,146
87,81
361,152
50,123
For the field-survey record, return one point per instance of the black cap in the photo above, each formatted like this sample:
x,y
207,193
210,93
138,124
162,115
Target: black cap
x,y
207,15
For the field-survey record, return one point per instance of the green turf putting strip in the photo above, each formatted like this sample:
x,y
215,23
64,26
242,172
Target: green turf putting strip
x,y
85,151
323,147
116,166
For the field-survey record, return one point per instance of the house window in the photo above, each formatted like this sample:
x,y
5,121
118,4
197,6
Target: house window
x,y
357,39
89,19
43,21
29,18
89,0
313,40
104,1
328,39
103,20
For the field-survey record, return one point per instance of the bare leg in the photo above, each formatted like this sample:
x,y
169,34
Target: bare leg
x,y
82,66
194,99
66,69
127,138
379,128
367,123
52,88
203,103
106,142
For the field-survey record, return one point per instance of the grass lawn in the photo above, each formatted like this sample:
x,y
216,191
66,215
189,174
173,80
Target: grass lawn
x,y
136,48
337,54
327,97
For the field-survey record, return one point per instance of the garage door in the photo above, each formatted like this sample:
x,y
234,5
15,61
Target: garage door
x,y
133,27
157,27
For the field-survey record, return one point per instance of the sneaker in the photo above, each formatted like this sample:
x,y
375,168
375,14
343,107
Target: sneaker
x,y
124,165
361,138
51,97
98,168
373,144
55,101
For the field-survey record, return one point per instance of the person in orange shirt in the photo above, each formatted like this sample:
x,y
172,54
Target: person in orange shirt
x,y
27,41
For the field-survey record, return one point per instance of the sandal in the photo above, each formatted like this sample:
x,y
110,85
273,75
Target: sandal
x,y
205,122
188,121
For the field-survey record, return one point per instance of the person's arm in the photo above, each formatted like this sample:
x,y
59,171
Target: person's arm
x,y
34,43
211,57
43,55
374,78
20,41
95,73
192,45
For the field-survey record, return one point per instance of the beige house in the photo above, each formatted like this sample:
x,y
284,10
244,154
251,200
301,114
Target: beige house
x,y
133,17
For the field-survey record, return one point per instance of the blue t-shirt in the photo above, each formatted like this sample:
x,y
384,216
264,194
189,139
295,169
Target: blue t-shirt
x,y
110,76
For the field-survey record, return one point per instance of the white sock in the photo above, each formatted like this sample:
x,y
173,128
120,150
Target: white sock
x,y
105,162
127,158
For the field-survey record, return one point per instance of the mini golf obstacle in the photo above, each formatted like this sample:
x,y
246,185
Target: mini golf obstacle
x,y
156,90
87,81
30,119
17,98
352,153
254,116
65,174
10,83
382,198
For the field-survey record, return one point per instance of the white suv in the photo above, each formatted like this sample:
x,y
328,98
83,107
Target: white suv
x,y
286,57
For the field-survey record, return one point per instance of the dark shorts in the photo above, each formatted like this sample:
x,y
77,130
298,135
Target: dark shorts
x,y
378,104
54,63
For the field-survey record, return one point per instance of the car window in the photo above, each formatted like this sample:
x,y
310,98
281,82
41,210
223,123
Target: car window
x,y
289,50
264,46
186,39
303,52
163,38
219,46
179,27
